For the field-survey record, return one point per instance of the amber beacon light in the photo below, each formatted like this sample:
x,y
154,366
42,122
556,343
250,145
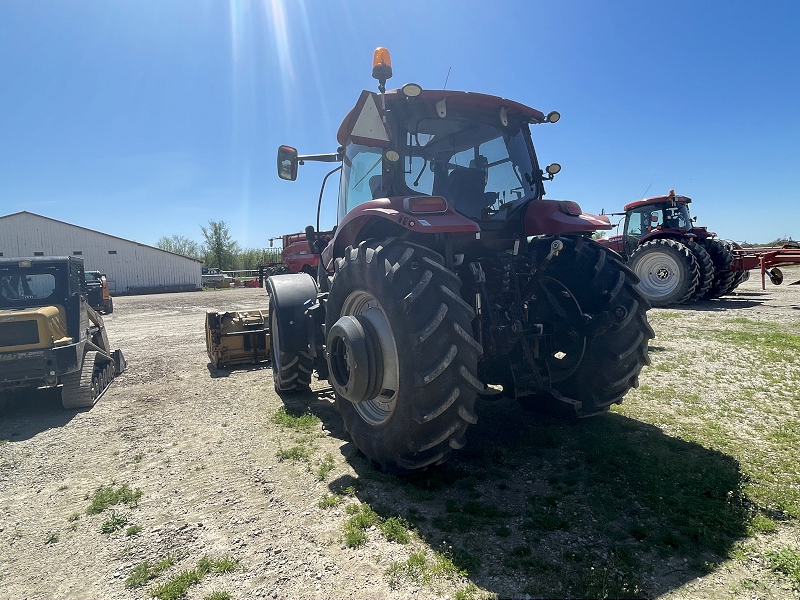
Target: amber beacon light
x,y
381,65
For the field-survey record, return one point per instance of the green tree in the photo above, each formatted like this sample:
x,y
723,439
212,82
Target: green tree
x,y
178,244
250,258
221,249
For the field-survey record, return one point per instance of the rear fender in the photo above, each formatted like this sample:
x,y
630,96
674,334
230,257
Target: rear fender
x,y
392,211
289,297
545,217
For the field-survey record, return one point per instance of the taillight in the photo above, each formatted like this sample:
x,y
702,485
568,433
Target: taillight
x,y
570,207
425,205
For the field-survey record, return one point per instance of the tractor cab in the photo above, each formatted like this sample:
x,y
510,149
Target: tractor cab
x,y
664,216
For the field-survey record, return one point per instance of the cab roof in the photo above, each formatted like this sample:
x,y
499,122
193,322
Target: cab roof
x,y
657,200
454,99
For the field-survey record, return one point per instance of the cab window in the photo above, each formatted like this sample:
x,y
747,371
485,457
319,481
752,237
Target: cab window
x,y
361,178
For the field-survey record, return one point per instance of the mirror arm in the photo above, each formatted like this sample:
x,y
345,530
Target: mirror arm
x,y
320,157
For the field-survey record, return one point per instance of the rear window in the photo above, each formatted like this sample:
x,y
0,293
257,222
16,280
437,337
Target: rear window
x,y
36,286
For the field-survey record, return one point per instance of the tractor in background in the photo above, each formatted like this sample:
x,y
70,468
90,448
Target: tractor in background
x,y
450,277
676,261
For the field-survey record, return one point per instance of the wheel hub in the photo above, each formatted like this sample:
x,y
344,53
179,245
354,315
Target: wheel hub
x,y
355,358
658,274
375,384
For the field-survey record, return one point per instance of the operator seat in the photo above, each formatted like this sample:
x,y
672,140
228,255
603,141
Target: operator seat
x,y
464,189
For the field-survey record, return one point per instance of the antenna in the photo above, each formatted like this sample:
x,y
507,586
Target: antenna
x,y
647,190
446,78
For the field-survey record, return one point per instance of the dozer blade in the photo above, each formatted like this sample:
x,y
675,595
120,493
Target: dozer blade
x,y
237,337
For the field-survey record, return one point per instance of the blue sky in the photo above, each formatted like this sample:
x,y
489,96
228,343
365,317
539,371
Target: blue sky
x,y
145,119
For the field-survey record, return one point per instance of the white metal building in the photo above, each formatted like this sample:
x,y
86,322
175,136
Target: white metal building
x,y
130,267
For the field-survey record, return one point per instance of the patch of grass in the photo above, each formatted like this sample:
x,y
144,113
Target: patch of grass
x,y
395,529
217,595
786,561
325,467
108,495
330,500
51,538
362,518
74,517
113,523
305,422
133,530
422,570
178,586
470,592
293,453
145,571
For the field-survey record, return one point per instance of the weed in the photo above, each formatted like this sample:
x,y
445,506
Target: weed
x,y
303,422
469,592
362,517
138,458
786,561
51,538
224,423
420,569
177,586
133,530
762,524
217,595
114,523
325,467
395,529
144,572
74,517
330,500
294,453
107,496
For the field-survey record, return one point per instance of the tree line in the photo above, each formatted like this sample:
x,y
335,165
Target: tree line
x,y
219,249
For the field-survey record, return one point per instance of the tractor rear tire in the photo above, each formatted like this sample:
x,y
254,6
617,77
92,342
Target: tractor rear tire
x,y
418,401
667,270
291,371
724,277
706,270
81,389
618,332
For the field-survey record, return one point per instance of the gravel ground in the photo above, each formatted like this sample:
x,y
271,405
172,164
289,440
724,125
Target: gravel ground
x,y
201,446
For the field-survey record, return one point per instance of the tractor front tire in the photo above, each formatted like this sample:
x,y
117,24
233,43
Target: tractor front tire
x,y
411,394
291,371
667,270
616,331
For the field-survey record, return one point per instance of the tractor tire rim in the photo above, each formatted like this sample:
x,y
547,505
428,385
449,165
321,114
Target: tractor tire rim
x,y
378,409
659,274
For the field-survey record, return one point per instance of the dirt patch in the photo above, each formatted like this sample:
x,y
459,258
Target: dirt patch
x,y
202,446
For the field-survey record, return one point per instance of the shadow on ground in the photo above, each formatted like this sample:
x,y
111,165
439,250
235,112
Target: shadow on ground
x,y
607,507
723,304
28,413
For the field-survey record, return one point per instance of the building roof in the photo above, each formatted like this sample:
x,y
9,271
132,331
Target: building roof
x,y
25,212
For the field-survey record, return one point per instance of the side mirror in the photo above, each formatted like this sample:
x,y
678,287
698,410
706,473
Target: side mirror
x,y
287,163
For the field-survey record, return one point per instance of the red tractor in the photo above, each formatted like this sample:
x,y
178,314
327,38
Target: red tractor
x,y
297,254
676,261
450,276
